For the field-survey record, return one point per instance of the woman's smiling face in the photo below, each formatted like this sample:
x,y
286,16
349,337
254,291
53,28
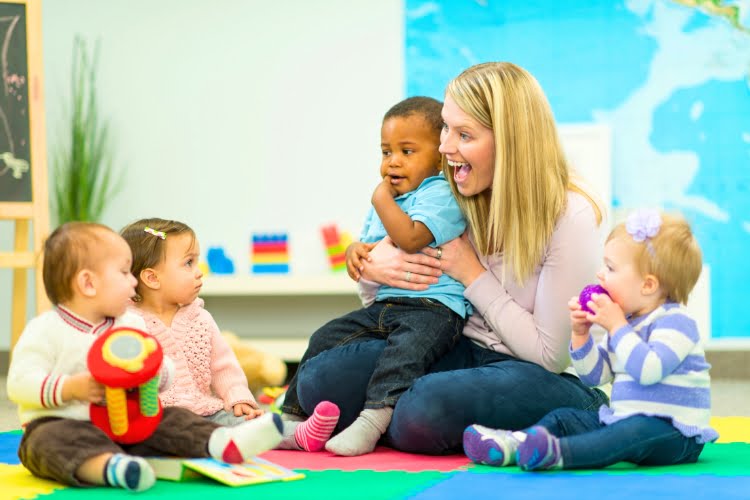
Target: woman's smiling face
x,y
469,148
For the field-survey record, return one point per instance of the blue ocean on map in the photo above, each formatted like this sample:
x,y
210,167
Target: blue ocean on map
x,y
671,79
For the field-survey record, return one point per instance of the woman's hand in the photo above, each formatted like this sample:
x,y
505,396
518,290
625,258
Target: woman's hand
x,y
389,265
458,259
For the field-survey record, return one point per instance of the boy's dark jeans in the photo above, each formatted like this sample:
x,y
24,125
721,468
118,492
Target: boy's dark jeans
x,y
418,331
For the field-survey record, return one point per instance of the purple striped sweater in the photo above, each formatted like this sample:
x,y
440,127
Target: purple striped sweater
x,y
657,367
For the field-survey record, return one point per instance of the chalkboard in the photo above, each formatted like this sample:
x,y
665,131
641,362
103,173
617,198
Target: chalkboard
x,y
15,172
23,197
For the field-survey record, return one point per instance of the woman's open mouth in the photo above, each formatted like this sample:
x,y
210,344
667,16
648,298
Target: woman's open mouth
x,y
461,170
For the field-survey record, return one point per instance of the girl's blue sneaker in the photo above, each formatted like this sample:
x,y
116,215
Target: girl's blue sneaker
x,y
539,451
490,446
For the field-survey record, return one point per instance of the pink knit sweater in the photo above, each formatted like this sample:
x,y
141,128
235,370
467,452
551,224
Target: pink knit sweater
x,y
207,375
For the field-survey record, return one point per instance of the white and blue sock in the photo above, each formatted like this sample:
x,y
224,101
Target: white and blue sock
x,y
128,472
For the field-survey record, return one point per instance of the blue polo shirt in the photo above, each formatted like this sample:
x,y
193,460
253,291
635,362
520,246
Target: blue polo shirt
x,y
432,204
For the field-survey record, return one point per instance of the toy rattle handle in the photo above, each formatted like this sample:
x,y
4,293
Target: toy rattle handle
x,y
149,400
117,410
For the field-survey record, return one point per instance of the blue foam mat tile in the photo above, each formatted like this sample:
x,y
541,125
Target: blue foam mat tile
x,y
564,486
9,447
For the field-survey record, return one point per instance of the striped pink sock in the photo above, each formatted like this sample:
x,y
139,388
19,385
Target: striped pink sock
x,y
312,434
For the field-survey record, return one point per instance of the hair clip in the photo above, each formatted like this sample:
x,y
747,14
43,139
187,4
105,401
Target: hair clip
x,y
158,234
643,224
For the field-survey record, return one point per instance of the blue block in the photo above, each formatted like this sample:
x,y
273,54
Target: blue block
x,y
218,262
270,238
270,268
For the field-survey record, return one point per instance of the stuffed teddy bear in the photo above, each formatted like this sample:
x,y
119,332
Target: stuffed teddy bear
x,y
261,369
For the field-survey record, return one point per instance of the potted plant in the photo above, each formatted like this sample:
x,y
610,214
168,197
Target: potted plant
x,y
84,174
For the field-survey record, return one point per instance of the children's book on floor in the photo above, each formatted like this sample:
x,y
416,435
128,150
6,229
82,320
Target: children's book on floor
x,y
254,471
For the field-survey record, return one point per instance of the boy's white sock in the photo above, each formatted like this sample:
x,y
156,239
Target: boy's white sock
x,y
236,444
128,472
362,436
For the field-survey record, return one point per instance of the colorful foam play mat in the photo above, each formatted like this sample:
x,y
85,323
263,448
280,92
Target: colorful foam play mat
x,y
723,472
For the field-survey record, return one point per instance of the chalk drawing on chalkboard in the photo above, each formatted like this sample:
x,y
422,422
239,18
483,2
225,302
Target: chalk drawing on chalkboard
x,y
11,86
17,166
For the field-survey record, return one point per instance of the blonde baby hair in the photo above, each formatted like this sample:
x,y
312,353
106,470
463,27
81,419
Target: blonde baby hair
x,y
672,255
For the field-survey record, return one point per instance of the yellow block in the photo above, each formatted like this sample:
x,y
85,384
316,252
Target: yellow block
x,y
732,429
19,483
270,258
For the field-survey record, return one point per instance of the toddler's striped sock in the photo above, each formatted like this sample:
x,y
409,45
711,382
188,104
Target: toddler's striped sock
x,y
128,472
312,434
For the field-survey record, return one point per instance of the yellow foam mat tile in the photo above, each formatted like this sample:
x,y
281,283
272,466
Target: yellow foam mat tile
x,y
19,483
732,429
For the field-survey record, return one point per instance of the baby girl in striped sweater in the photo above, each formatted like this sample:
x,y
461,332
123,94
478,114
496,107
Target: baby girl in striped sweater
x,y
652,353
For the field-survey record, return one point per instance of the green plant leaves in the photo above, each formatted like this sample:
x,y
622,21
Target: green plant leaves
x,y
85,178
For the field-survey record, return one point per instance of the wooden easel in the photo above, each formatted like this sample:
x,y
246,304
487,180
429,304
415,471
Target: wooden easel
x,y
23,186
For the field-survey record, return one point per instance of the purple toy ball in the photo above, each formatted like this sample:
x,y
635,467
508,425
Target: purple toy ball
x,y
585,296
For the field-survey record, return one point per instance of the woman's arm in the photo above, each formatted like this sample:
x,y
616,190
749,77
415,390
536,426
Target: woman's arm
x,y
538,331
542,333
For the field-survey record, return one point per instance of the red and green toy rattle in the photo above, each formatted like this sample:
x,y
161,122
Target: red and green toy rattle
x,y
127,362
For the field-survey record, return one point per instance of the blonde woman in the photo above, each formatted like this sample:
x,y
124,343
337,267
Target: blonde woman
x,y
533,242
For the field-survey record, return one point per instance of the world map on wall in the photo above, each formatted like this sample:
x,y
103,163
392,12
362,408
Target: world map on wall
x,y
670,78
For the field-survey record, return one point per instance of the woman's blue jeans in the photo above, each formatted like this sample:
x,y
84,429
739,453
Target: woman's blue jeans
x,y
417,331
469,385
585,443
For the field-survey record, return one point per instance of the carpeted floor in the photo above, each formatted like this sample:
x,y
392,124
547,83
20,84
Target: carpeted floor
x,y
722,472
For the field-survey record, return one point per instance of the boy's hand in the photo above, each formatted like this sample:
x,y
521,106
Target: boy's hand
x,y
607,313
83,387
247,410
356,254
578,318
385,188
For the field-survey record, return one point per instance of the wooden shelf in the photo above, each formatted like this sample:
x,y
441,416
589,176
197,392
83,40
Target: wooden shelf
x,y
278,285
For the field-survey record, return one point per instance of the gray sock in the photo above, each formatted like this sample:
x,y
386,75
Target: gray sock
x,y
291,417
362,436
287,440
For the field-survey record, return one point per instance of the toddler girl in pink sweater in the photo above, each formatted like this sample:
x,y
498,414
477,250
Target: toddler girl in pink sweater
x,y
208,378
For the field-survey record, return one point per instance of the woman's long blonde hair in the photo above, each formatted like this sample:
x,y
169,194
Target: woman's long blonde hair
x,y
531,178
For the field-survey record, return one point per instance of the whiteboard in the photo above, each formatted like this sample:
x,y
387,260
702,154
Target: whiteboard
x,y
588,147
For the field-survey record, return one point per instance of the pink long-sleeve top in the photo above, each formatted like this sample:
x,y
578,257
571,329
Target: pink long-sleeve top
x,y
207,376
531,320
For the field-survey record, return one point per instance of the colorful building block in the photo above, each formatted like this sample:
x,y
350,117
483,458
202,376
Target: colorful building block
x,y
335,247
269,253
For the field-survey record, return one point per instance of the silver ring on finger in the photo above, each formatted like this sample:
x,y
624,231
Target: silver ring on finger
x,y
408,276
439,252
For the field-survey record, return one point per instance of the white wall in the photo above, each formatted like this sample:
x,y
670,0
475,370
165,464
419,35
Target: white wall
x,y
244,116
234,116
